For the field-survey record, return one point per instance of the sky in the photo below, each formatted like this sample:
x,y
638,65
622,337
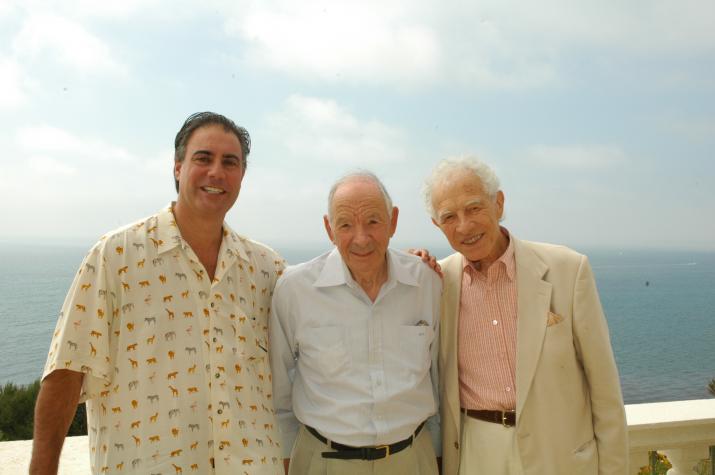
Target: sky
x,y
598,116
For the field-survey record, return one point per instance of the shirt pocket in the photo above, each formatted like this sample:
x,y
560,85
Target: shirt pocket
x,y
324,350
412,354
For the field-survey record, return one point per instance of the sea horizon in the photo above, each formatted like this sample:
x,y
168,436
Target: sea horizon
x,y
659,305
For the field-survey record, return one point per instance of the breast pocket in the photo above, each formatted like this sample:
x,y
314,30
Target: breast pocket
x,y
412,354
324,351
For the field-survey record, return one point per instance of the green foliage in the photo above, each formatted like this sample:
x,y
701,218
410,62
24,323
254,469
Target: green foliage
x,y
711,387
659,465
17,406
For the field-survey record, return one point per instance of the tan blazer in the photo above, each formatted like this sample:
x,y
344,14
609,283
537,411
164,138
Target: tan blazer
x,y
570,415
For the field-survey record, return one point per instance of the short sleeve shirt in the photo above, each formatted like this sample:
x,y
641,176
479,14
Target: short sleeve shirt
x,y
177,379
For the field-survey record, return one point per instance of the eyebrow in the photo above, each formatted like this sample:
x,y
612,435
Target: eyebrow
x,y
209,152
476,201
444,213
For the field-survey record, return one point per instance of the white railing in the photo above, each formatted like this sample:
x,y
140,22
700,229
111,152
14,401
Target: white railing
x,y
683,430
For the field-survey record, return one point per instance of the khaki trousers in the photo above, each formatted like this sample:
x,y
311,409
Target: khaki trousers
x,y
306,459
488,448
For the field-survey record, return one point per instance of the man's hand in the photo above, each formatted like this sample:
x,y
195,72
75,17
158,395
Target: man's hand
x,y
286,464
427,259
56,406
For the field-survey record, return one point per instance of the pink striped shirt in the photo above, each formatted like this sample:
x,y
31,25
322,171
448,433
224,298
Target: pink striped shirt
x,y
487,335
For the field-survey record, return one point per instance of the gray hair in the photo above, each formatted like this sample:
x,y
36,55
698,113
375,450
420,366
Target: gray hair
x,y
449,167
359,175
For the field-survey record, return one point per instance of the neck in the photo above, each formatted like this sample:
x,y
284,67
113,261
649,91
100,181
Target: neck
x,y
371,282
202,233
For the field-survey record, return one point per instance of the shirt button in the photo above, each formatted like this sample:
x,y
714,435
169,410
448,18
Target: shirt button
x,y
508,389
495,322
215,339
220,447
220,411
212,305
456,445
218,375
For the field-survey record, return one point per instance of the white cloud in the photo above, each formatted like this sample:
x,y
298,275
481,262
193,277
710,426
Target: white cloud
x,y
66,41
321,130
491,44
50,166
48,139
80,8
74,178
576,156
366,41
12,93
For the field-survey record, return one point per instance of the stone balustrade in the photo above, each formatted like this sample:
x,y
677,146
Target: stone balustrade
x,y
683,430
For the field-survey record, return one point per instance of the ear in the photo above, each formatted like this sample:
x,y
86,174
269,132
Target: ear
x,y
328,229
500,204
177,169
393,220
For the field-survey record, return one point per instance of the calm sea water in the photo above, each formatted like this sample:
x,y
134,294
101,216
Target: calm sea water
x,y
660,308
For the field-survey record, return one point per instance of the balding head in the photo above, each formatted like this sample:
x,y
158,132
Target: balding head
x,y
359,176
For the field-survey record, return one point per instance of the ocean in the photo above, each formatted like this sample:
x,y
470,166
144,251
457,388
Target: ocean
x,y
660,307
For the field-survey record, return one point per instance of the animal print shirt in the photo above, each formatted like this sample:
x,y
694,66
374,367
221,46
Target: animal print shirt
x,y
177,379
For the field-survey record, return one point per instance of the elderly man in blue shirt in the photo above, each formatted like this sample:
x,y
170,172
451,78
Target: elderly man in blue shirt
x,y
353,346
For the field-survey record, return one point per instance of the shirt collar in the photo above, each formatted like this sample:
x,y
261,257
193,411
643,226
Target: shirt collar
x,y
168,236
506,259
335,272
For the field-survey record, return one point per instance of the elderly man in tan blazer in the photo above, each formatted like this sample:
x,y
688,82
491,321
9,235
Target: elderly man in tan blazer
x,y
528,380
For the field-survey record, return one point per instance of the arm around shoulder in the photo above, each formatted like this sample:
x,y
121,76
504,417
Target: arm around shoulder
x,y
55,407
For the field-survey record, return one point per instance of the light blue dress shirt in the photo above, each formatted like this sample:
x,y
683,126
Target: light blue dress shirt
x,y
362,373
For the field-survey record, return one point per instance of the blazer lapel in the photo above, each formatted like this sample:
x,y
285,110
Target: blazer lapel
x,y
533,303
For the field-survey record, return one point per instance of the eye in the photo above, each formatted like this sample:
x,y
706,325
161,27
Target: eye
x,y
231,162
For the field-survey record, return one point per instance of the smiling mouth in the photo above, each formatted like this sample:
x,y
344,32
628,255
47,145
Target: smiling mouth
x,y
213,190
473,239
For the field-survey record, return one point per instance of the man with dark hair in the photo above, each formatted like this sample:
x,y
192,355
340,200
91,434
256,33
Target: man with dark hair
x,y
164,332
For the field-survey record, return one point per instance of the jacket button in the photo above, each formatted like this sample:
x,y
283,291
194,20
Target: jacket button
x,y
456,445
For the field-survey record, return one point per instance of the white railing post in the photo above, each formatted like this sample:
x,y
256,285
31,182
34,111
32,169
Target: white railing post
x,y
685,459
682,430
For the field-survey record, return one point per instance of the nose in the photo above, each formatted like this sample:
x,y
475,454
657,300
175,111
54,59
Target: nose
x,y
216,169
463,224
361,237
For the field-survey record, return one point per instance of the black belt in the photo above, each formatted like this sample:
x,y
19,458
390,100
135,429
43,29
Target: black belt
x,y
505,418
347,452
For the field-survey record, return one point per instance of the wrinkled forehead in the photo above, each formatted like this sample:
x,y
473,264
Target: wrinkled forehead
x,y
462,182
358,195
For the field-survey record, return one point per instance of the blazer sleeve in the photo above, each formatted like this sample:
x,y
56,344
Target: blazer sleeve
x,y
593,348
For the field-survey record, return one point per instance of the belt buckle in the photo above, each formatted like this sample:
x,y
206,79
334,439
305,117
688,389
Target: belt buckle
x,y
503,418
387,449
